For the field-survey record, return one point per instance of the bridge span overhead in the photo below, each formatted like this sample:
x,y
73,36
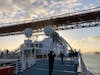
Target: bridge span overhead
x,y
71,21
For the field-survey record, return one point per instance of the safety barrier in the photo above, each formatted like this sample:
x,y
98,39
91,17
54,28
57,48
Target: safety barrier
x,y
84,70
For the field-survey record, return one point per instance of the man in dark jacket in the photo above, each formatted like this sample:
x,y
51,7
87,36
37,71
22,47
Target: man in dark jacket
x,y
51,61
62,56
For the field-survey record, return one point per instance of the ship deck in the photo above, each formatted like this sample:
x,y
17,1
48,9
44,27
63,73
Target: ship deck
x,y
41,68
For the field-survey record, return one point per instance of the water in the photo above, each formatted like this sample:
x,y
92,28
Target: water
x,y
92,61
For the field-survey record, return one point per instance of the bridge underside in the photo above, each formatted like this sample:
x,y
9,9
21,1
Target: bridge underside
x,y
83,20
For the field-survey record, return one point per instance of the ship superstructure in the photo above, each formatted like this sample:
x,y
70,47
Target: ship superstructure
x,y
34,56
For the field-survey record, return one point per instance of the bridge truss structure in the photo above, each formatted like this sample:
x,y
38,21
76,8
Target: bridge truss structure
x,y
80,19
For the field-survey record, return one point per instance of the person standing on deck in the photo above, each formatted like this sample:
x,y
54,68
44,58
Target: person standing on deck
x,y
71,54
62,56
51,61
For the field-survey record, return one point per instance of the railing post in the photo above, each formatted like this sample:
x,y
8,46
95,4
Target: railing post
x,y
16,67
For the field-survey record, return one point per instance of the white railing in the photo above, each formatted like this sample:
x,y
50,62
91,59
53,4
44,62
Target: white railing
x,y
17,67
84,70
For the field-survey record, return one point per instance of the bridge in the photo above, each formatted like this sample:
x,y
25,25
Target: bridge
x,y
79,19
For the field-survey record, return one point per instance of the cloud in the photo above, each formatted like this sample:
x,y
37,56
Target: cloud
x,y
94,39
4,4
18,10
86,44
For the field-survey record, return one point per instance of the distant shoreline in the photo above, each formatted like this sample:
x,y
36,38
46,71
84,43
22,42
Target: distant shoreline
x,y
96,52
92,53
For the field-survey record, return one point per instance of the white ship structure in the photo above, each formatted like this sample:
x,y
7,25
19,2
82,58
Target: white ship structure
x,y
29,56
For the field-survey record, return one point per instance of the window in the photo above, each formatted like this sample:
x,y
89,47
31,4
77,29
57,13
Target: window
x,y
31,45
40,45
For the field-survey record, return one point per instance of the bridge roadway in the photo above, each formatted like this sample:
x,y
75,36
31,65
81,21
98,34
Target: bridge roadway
x,y
41,68
58,21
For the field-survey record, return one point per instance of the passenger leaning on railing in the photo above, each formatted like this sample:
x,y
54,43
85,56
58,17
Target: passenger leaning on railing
x,y
71,54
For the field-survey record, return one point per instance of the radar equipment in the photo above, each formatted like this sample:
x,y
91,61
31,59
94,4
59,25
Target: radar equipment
x,y
28,32
27,55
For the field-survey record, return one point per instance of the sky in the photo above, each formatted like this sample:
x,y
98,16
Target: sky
x,y
11,11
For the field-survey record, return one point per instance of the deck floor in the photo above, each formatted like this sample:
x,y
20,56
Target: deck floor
x,y
41,68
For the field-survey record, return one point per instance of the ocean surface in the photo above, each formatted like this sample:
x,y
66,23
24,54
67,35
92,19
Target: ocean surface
x,y
92,61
